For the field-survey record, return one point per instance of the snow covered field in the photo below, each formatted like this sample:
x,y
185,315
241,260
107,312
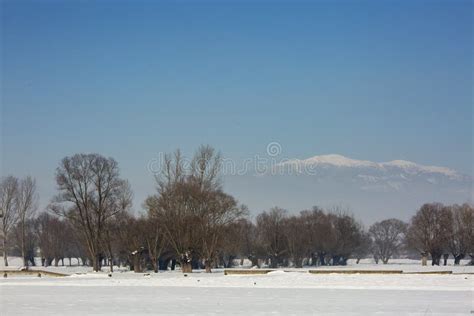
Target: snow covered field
x,y
296,293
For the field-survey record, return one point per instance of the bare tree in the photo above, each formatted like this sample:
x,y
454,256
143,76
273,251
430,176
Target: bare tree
x,y
461,238
130,232
174,207
270,228
296,239
154,239
90,194
429,230
364,248
25,233
205,167
230,245
74,247
191,207
347,236
248,243
218,212
26,201
112,226
8,210
388,236
320,234
51,233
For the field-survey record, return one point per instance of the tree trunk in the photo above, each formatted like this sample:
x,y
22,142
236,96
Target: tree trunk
x,y
111,262
96,263
136,263
155,264
435,259
208,264
458,258
273,262
445,258
322,261
230,262
314,259
186,267
186,262
23,252
424,259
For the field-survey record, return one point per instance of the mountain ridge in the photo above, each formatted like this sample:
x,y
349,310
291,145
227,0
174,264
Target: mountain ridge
x,y
340,161
373,190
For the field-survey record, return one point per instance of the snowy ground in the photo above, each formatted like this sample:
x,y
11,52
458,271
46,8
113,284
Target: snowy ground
x,y
296,293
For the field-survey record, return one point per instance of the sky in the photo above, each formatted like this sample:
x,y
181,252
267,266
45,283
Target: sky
x,y
375,80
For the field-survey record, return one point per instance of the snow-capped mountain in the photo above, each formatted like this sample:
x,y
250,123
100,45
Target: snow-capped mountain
x,y
340,161
337,166
373,190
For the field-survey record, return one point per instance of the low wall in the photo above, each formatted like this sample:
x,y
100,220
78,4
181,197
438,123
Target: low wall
x,y
327,271
331,271
248,271
431,272
37,273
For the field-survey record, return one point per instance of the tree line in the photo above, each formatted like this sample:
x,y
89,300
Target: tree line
x,y
191,222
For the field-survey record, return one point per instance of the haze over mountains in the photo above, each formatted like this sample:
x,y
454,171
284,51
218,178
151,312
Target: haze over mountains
x,y
371,190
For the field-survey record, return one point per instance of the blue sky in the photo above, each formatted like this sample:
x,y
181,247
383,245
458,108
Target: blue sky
x,y
375,80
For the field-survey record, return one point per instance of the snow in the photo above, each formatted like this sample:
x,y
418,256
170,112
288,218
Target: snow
x,y
293,291
342,161
408,165
56,300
